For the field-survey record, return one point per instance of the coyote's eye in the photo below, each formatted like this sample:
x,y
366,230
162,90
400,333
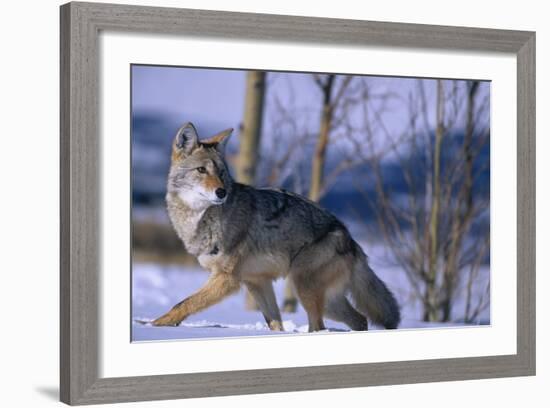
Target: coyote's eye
x,y
201,170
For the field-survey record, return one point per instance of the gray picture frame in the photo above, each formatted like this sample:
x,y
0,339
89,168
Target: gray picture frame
x,y
81,24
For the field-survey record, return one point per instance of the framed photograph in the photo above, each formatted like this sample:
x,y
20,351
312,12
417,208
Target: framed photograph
x,y
261,203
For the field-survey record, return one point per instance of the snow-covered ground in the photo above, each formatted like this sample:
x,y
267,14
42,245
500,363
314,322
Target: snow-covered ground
x,y
156,288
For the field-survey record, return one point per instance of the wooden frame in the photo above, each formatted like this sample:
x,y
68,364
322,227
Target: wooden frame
x,y
80,235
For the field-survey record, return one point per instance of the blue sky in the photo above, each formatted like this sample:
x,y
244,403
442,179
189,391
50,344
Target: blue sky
x,y
217,95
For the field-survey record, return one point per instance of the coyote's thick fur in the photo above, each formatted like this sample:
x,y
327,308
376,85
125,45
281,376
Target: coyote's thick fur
x,y
248,236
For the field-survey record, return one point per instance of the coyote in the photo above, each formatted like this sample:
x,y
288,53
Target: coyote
x,y
248,236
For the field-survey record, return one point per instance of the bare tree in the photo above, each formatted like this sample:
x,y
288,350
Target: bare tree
x,y
431,288
464,209
249,141
330,102
431,234
318,163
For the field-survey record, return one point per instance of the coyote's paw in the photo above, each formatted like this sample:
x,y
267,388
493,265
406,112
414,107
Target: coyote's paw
x,y
276,325
167,320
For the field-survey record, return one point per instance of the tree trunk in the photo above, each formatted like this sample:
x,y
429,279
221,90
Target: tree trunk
x,y
431,301
318,164
249,140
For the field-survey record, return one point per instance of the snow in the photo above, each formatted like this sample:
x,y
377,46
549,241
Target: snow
x,y
156,288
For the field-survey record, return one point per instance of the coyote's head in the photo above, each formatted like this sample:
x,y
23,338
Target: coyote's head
x,y
198,173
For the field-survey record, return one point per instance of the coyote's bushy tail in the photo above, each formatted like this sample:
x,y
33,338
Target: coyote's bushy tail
x,y
371,296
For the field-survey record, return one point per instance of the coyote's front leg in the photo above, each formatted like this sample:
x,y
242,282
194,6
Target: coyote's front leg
x,y
218,286
265,299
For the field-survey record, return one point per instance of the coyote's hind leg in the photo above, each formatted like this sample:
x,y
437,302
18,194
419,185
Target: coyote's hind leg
x,y
338,308
312,300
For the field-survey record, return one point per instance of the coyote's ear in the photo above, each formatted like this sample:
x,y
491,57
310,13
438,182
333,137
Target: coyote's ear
x,y
219,140
186,139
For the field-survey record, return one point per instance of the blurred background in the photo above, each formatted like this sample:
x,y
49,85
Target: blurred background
x,y
403,162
